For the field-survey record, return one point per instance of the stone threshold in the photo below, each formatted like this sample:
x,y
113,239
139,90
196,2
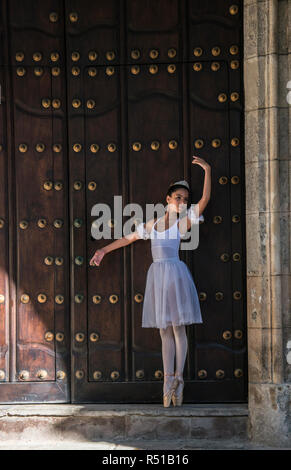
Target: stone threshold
x,y
122,422
68,409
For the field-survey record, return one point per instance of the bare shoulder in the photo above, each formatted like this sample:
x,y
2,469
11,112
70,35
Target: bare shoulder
x,y
183,224
149,224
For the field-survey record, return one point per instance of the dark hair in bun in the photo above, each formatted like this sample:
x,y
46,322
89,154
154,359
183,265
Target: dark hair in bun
x,y
174,187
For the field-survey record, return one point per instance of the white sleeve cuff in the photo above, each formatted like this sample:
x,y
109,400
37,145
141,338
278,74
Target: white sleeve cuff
x,y
192,214
142,231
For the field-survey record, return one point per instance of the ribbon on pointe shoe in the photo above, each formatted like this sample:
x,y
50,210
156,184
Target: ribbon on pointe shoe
x,y
167,397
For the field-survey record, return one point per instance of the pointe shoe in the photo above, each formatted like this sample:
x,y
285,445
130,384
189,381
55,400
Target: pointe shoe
x,y
178,399
167,397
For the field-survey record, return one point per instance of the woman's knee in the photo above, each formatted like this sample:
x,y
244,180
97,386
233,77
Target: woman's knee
x,y
179,330
166,332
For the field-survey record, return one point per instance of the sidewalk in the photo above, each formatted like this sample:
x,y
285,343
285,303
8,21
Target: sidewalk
x,y
193,444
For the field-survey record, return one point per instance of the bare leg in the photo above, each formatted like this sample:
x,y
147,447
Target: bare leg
x,y
168,353
181,352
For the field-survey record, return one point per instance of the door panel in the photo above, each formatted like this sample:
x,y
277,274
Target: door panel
x,y
4,231
37,357
103,323
35,282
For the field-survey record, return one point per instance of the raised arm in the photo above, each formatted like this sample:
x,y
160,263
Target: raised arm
x,y
207,183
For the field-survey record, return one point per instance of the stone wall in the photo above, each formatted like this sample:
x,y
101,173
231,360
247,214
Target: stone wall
x,y
267,71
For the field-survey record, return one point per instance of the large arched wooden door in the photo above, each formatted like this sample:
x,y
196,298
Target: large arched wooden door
x,y
103,99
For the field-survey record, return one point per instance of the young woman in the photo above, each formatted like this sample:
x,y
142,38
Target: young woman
x,y
170,300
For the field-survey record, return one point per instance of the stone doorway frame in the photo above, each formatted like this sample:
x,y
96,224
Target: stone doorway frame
x,y
267,61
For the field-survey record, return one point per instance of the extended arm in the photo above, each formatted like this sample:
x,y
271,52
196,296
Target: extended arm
x,y
121,242
124,241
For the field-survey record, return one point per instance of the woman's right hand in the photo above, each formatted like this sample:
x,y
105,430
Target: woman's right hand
x,y
96,259
200,161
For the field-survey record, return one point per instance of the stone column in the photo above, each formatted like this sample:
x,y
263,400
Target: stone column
x,y
267,71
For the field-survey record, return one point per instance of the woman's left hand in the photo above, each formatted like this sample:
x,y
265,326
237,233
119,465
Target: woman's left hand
x,y
200,161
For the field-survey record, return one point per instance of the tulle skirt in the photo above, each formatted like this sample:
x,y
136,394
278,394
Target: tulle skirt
x,y
170,296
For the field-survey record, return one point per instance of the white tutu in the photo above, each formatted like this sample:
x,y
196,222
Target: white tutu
x,y
170,294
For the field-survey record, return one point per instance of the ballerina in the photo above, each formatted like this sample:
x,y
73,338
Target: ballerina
x,y
170,300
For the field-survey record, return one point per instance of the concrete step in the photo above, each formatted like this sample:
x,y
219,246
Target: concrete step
x,y
120,423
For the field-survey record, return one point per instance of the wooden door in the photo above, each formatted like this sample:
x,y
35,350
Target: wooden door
x,y
36,310
128,91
